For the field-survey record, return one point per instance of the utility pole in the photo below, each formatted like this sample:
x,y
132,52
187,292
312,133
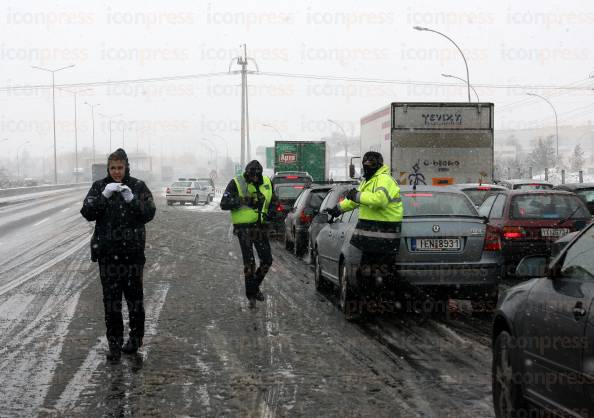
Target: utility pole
x,y
245,123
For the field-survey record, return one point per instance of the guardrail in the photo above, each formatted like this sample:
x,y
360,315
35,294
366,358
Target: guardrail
x,y
15,191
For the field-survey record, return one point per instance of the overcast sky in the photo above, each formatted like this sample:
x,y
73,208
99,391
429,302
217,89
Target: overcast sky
x,y
527,43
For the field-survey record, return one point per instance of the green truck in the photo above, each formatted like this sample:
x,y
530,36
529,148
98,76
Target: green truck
x,y
309,156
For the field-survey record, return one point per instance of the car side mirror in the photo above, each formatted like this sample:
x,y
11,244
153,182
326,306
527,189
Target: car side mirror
x,y
533,266
352,171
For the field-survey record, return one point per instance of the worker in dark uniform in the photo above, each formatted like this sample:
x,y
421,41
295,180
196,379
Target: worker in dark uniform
x,y
377,233
120,205
248,197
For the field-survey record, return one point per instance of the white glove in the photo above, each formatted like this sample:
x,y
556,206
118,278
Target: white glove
x,y
110,189
126,193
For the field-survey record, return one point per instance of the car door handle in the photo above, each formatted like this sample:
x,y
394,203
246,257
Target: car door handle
x,y
579,311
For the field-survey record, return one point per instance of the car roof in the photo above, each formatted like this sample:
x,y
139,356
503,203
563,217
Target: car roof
x,y
525,181
470,185
434,189
551,191
574,186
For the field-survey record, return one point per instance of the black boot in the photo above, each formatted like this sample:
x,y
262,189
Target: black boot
x,y
115,353
132,345
259,296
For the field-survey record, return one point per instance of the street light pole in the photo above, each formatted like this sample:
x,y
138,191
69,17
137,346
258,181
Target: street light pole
x,y
420,28
346,148
92,106
275,128
216,153
18,161
54,113
75,93
110,118
464,81
556,118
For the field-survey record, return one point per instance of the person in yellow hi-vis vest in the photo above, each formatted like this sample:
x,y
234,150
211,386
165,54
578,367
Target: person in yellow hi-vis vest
x,y
248,197
377,233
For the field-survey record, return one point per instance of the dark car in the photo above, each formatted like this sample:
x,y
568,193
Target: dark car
x,y
543,334
585,191
528,222
287,187
526,184
299,218
446,250
336,194
479,192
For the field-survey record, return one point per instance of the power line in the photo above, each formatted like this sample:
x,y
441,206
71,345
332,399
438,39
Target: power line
x,y
418,82
125,81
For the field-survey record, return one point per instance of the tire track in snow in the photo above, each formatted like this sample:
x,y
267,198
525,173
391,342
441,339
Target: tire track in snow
x,y
30,357
85,373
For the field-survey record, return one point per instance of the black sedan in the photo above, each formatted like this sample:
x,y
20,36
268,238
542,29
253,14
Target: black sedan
x,y
299,217
543,336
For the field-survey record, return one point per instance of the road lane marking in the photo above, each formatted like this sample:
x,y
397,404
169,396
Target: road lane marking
x,y
17,282
41,221
82,378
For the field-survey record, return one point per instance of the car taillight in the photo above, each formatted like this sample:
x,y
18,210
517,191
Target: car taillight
x,y
513,232
304,218
492,239
280,208
188,191
292,177
168,190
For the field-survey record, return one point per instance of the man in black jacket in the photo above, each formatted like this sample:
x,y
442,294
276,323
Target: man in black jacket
x,y
120,205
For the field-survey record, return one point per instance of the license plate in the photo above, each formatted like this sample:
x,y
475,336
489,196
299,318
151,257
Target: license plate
x,y
436,244
554,232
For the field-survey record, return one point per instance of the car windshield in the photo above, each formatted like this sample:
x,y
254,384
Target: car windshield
x,y
436,203
479,195
533,186
547,206
288,192
182,184
316,198
586,194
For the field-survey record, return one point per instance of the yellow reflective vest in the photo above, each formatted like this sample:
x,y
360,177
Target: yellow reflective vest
x,y
245,214
378,198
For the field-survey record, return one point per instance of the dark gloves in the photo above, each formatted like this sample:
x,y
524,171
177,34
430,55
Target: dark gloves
x,y
250,202
352,195
335,212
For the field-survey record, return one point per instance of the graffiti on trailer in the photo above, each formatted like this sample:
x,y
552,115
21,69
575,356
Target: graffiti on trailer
x,y
442,118
416,177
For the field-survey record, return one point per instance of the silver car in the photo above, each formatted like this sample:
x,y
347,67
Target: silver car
x,y
446,250
188,191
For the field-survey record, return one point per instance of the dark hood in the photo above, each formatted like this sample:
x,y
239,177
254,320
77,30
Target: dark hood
x,y
253,168
119,154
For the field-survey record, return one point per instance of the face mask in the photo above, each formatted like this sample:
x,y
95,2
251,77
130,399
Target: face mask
x,y
369,171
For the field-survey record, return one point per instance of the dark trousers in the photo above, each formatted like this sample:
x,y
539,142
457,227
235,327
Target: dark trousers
x,y
122,275
250,237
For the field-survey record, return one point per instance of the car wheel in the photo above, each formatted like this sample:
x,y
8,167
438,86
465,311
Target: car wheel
x,y
346,296
196,201
507,393
298,249
288,243
318,278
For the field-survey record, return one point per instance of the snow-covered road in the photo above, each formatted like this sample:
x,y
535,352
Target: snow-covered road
x,y
206,352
